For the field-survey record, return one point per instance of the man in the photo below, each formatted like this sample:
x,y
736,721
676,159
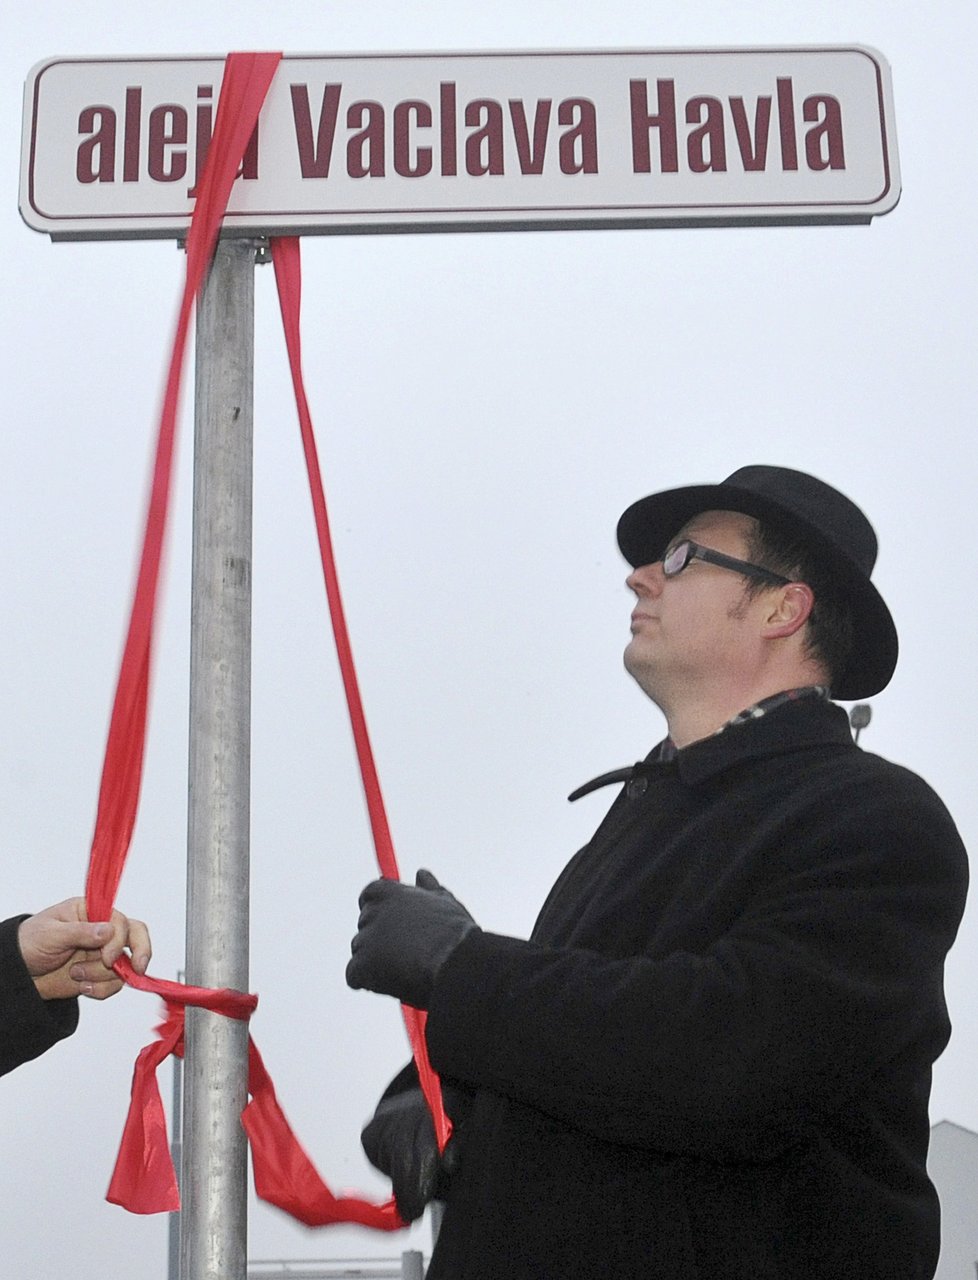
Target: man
x,y
713,1057
46,962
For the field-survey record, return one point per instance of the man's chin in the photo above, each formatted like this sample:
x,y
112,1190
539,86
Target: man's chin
x,y
637,664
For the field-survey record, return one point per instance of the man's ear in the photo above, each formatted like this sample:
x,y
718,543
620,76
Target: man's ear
x,y
790,608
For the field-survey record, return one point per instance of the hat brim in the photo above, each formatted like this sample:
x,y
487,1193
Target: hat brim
x,y
646,527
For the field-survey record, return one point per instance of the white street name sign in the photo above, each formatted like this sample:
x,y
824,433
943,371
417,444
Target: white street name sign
x,y
352,143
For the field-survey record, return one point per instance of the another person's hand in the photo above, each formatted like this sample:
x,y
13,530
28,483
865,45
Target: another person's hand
x,y
67,956
406,933
400,1141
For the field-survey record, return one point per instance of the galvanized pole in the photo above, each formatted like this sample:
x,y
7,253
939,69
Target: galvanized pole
x,y
412,1265
213,1235
176,1154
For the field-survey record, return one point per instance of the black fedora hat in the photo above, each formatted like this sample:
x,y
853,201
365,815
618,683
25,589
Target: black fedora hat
x,y
835,529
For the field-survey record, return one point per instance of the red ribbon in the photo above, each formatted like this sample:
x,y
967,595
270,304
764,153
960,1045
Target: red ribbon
x,y
246,80
288,278
144,1180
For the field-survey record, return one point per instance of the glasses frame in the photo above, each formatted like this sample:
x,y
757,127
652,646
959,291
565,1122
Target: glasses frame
x,y
691,551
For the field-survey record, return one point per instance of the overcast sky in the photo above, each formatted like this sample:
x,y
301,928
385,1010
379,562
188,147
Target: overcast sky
x,y
487,405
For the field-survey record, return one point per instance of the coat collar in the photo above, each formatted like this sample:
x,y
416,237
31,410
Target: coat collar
x,y
808,722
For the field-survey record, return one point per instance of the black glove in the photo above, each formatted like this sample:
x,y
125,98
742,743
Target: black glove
x,y
405,936
400,1141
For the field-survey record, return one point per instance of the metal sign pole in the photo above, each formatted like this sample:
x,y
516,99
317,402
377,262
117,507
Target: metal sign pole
x,y
176,1153
214,1237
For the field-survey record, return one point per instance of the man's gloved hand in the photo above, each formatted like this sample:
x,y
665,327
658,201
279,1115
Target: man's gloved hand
x,y
400,1141
405,935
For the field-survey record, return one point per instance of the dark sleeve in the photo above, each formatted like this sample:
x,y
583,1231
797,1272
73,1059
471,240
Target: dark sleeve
x,y
831,974
28,1024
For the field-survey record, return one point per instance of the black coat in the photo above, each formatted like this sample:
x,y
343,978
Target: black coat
x,y
28,1024
713,1058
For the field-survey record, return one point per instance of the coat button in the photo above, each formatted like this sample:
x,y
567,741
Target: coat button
x,y
636,787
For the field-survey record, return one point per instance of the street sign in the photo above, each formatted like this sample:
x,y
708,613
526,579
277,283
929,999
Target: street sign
x,y
351,143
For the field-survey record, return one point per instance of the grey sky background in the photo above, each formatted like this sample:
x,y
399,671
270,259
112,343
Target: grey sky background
x,y
486,406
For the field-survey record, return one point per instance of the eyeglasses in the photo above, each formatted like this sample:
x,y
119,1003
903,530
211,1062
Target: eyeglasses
x,y
678,557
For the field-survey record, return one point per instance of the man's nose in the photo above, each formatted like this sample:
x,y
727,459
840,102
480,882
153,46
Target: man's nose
x,y
646,579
